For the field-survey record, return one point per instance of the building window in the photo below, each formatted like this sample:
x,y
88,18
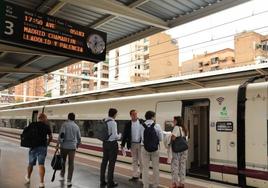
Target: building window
x,y
146,66
214,60
85,85
145,48
105,75
105,67
104,83
146,57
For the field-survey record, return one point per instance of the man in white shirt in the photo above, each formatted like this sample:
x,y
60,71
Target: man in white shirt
x,y
147,144
110,150
132,136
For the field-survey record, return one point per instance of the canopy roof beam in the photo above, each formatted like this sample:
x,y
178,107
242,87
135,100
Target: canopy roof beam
x,y
109,18
117,9
23,70
262,72
195,83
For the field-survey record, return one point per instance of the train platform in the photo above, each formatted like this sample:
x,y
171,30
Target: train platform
x,y
13,164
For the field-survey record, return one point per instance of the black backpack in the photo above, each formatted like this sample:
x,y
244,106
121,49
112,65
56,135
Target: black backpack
x,y
102,130
29,136
150,138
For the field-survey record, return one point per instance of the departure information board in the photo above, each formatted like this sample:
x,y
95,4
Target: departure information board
x,y
29,29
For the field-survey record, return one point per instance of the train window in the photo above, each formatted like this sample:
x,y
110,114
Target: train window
x,y
88,128
168,126
13,123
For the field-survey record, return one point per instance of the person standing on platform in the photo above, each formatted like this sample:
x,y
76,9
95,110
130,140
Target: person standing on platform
x,y
39,151
69,140
110,150
179,160
132,136
151,136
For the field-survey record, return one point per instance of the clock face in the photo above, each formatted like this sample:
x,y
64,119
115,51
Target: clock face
x,y
96,44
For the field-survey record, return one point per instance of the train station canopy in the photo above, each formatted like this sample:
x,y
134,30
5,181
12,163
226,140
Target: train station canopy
x,y
205,80
124,21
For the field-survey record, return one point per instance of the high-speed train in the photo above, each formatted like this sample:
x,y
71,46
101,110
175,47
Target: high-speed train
x,y
228,127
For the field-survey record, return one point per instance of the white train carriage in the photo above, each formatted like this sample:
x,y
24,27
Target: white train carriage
x,y
227,127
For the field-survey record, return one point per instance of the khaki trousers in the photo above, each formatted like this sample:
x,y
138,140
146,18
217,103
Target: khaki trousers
x,y
146,157
136,159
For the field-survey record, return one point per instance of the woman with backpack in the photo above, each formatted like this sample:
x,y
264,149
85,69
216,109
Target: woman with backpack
x,y
179,159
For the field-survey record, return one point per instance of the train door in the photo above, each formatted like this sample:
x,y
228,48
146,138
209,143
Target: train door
x,y
256,135
34,116
196,119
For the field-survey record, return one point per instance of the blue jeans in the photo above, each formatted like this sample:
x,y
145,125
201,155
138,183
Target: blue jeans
x,y
38,153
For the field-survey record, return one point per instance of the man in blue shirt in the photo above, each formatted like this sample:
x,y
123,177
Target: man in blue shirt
x,y
110,150
69,140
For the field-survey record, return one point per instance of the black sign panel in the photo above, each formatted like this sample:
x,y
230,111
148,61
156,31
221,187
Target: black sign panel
x,y
224,126
25,28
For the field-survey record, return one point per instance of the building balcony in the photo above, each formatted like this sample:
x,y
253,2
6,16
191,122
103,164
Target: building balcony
x,y
215,64
105,71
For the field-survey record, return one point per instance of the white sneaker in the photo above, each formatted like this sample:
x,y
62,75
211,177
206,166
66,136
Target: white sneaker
x,y
27,179
69,183
41,185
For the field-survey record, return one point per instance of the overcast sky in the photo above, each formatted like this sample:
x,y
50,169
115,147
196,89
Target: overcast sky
x,y
255,10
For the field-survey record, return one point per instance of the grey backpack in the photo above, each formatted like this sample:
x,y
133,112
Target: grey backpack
x,y
102,130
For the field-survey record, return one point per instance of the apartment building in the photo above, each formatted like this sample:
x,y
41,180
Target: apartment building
x,y
251,48
151,58
129,63
30,90
101,73
56,83
163,57
209,61
7,96
75,81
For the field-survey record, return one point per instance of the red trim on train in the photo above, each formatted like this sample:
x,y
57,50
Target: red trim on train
x,y
223,169
257,174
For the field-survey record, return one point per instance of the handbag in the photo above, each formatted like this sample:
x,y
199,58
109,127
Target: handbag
x,y
56,163
179,144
